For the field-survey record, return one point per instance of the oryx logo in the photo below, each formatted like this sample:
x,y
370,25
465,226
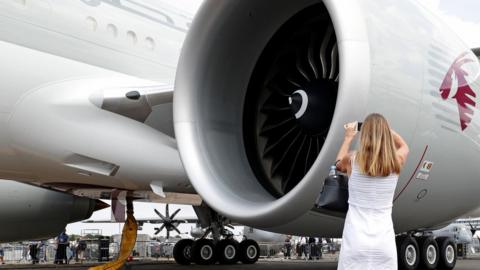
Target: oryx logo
x,y
464,96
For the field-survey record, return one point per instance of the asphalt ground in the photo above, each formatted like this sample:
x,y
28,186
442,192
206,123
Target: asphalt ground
x,y
263,264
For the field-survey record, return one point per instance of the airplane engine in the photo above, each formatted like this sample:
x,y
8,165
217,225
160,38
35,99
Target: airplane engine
x,y
30,212
263,89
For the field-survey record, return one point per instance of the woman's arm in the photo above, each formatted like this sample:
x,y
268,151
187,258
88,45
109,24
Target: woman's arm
x,y
401,146
343,157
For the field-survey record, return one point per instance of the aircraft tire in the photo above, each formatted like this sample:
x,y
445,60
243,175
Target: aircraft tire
x,y
249,251
448,253
408,252
203,252
227,251
429,252
182,251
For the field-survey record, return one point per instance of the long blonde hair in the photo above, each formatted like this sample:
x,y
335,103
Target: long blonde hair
x,y
377,153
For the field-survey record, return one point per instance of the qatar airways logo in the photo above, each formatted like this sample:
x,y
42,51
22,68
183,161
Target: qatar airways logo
x,y
464,96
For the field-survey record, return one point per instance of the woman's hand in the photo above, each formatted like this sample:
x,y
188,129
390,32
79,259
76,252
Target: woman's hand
x,y
343,157
350,130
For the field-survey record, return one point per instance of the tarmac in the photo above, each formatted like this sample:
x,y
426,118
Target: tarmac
x,y
262,264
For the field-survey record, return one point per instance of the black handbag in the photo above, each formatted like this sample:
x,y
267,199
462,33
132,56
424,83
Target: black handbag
x,y
334,194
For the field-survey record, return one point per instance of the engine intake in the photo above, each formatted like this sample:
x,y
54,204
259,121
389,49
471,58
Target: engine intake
x,y
291,99
260,101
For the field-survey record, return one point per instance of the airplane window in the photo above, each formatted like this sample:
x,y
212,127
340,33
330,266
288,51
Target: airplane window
x,y
112,30
132,37
92,23
150,43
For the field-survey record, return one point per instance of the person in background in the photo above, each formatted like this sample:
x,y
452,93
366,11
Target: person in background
x,y
62,244
69,253
2,254
42,252
33,246
287,247
313,250
319,248
305,248
298,249
81,247
368,237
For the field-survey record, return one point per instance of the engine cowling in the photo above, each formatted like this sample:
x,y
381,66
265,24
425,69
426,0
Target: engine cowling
x,y
29,212
263,89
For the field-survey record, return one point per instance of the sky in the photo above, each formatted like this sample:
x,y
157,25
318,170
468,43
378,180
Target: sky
x,y
460,15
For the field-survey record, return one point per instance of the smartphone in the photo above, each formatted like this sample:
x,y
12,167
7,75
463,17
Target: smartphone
x,y
359,125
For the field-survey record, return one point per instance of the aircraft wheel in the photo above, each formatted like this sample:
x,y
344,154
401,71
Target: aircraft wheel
x,y
182,251
408,252
448,253
429,253
227,251
249,251
203,252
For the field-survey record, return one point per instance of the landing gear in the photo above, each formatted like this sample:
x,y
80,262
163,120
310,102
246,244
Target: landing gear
x,y
182,251
426,252
203,252
206,252
249,251
429,254
222,247
227,251
408,252
448,253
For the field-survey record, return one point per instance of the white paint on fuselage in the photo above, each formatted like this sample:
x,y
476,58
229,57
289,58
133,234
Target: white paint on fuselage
x,y
123,38
47,45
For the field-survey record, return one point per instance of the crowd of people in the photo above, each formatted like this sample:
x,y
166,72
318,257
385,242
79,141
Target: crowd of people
x,y
307,248
65,251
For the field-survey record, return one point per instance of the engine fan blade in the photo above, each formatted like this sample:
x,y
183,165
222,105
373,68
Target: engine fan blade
x,y
311,58
295,95
323,49
333,60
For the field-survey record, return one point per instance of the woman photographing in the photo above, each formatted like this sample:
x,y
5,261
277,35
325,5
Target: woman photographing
x,y
368,237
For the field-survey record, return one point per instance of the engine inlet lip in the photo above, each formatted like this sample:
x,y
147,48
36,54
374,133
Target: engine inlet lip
x,y
210,141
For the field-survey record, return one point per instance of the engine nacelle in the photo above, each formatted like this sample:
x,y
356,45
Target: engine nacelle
x,y
29,212
263,89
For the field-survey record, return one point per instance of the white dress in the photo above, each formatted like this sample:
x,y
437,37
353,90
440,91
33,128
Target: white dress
x,y
368,241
